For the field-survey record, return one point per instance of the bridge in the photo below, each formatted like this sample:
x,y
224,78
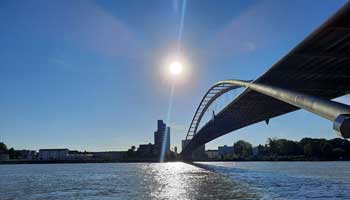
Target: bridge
x,y
309,77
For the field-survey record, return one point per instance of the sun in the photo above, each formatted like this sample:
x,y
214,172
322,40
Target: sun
x,y
175,68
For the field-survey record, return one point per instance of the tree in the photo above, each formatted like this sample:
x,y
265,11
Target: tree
x,y
131,152
339,153
3,147
326,149
13,154
133,148
308,150
340,143
273,146
262,150
243,149
312,150
287,147
283,147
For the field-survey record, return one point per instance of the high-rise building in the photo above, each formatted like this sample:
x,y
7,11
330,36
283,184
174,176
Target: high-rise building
x,y
161,135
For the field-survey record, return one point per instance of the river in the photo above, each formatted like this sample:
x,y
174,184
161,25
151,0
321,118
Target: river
x,y
221,180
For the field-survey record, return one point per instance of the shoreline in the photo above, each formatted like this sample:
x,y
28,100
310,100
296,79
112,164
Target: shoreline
x,y
19,162
36,162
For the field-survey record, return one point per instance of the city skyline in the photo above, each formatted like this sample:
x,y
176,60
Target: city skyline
x,y
100,85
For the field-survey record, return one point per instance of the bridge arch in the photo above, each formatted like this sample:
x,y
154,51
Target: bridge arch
x,y
213,93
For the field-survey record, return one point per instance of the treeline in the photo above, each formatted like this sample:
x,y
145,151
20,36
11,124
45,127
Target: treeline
x,y
11,152
283,149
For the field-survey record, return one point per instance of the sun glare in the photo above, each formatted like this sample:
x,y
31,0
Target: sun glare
x,y
175,68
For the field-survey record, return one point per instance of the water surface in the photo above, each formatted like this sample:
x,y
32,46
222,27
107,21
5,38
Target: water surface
x,y
290,180
226,180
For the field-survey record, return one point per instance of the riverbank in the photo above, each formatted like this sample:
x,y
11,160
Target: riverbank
x,y
9,162
15,162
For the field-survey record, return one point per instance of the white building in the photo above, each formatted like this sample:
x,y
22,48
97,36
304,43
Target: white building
x,y
53,154
213,154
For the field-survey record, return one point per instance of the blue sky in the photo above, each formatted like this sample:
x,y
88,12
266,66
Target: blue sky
x,y
91,75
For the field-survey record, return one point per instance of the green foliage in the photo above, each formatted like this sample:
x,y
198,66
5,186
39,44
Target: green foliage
x,y
283,147
243,149
13,154
3,147
311,150
305,149
339,153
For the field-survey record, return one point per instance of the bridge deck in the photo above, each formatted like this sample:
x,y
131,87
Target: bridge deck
x,y
319,66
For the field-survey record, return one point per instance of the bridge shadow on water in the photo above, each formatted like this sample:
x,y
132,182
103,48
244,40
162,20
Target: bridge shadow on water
x,y
286,180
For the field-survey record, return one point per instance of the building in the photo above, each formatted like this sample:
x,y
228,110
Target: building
x,y
226,152
109,155
53,154
146,150
26,154
213,154
4,156
77,155
160,136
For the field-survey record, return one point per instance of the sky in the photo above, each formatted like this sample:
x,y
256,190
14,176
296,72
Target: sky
x,y
93,75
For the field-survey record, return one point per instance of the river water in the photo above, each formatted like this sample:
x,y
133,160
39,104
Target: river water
x,y
225,180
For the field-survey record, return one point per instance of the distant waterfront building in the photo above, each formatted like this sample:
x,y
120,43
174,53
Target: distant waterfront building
x,y
162,135
146,150
109,155
53,154
77,155
212,154
225,152
4,156
26,154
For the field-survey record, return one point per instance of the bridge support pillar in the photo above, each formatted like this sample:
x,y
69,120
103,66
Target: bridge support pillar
x,y
342,125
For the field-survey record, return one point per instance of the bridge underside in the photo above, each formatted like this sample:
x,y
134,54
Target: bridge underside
x,y
318,66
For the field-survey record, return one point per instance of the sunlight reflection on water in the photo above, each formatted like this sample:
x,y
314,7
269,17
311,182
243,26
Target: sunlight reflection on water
x,y
183,181
117,181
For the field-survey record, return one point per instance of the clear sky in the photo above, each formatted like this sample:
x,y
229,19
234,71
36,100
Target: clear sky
x,y
92,75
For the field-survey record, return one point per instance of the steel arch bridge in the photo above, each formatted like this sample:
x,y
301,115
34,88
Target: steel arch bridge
x,y
309,77
210,96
